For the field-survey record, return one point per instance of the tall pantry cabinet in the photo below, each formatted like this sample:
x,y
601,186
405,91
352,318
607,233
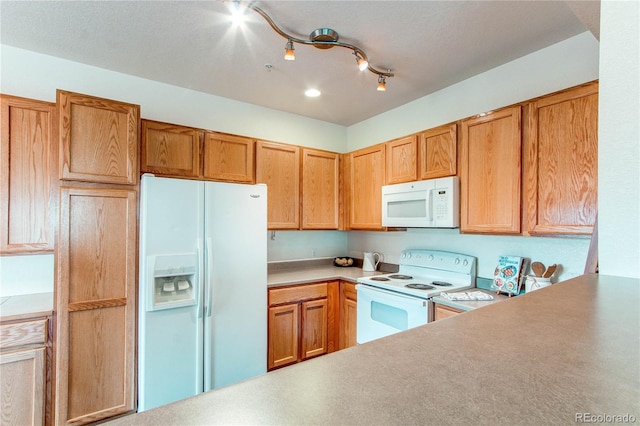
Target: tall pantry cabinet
x,y
96,258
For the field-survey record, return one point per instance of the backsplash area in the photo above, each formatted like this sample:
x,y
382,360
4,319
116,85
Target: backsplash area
x,y
26,274
294,245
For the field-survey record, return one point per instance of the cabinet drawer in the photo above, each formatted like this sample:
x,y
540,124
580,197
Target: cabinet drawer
x,y
23,333
279,296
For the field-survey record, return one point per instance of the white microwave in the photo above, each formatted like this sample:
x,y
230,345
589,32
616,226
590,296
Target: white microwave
x,y
431,203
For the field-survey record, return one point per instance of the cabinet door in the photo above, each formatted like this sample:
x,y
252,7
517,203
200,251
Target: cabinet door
x,y
22,387
314,328
348,311
402,159
283,335
442,311
438,152
98,139
95,304
320,189
229,158
28,188
278,165
167,149
367,167
561,162
490,155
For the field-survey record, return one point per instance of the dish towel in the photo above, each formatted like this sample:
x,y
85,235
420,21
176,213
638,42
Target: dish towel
x,y
467,295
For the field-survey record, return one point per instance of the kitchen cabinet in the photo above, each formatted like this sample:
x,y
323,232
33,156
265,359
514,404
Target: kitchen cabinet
x,y
402,159
490,172
28,188
229,158
366,177
95,303
438,150
302,322
348,314
560,162
98,139
278,166
443,311
23,368
320,189
168,149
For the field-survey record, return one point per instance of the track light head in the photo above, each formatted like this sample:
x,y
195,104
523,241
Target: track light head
x,y
382,83
289,54
363,64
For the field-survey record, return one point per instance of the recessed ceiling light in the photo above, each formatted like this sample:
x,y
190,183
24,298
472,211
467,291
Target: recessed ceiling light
x,y
312,93
237,14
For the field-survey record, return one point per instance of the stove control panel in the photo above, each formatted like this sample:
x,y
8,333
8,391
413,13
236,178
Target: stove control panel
x,y
442,260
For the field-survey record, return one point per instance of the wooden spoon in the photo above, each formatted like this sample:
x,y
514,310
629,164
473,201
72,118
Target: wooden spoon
x,y
549,271
538,269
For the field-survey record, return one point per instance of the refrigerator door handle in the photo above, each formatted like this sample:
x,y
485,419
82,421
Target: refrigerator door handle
x,y
200,254
209,281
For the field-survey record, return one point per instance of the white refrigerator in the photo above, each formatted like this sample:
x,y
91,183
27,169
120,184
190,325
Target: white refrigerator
x,y
202,318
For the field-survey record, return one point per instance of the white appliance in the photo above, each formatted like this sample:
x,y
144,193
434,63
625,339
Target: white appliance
x,y
391,303
203,287
431,203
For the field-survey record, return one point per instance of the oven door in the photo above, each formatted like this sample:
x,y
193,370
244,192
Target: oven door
x,y
381,313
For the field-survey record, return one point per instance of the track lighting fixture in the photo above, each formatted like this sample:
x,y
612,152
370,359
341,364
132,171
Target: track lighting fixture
x,y
324,38
288,52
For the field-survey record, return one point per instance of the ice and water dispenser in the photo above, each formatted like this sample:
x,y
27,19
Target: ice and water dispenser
x,y
173,281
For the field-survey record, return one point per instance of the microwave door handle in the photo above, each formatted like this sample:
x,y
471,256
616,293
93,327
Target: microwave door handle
x,y
430,205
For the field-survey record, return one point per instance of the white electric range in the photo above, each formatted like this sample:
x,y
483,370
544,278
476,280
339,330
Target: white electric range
x,y
391,303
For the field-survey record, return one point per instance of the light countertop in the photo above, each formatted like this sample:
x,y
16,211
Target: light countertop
x,y
547,357
308,272
26,306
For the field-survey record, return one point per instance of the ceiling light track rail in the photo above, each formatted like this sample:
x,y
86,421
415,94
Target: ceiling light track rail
x,y
330,41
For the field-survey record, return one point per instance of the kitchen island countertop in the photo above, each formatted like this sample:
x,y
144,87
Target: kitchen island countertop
x,y
560,355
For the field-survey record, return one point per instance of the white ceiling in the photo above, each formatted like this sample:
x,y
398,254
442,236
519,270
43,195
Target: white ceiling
x,y
429,45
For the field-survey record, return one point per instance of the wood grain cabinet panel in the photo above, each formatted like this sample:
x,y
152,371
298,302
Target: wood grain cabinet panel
x,y
283,335
229,158
22,387
367,175
561,162
348,314
438,151
168,149
442,311
28,188
320,189
98,139
314,328
402,159
278,166
96,304
490,172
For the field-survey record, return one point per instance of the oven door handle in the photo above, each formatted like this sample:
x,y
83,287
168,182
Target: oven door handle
x,y
391,294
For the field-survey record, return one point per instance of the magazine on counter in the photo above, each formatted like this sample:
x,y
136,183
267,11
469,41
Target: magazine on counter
x,y
509,274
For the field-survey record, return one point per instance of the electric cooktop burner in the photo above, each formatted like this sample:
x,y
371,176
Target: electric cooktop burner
x,y
420,286
400,277
380,279
441,283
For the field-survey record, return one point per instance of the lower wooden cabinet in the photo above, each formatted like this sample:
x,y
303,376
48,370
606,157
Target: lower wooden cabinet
x,y
96,304
348,314
23,369
302,322
443,311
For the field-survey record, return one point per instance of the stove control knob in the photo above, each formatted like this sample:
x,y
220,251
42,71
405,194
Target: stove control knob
x,y
402,256
465,262
457,261
408,255
430,257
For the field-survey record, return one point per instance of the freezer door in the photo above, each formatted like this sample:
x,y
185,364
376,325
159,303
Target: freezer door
x,y
236,271
170,349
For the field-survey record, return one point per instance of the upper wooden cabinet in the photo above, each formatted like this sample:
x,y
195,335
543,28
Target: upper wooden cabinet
x,y
98,139
28,188
229,158
168,149
320,189
561,162
366,177
438,150
490,153
278,166
402,159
